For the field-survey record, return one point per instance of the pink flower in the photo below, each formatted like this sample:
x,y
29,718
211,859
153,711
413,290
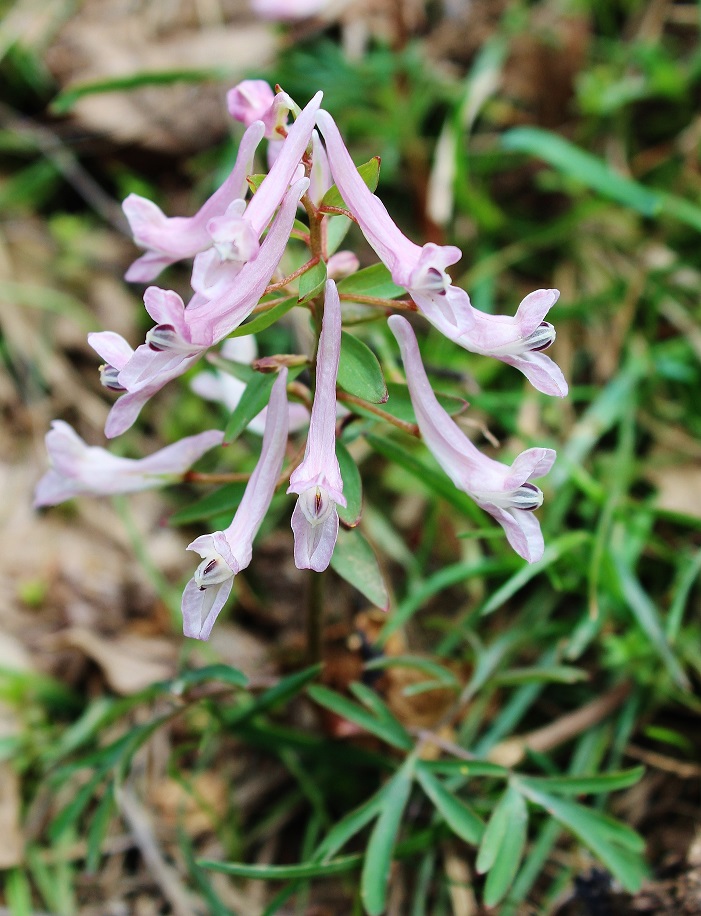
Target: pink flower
x,y
182,335
171,239
254,100
317,480
505,492
225,553
518,341
79,469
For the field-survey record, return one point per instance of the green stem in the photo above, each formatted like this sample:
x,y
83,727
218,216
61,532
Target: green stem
x,y
315,616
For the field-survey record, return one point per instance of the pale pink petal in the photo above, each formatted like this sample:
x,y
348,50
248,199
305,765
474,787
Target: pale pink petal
x,y
314,544
112,347
201,607
275,184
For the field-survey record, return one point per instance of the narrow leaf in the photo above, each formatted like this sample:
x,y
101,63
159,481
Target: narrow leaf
x,y
283,872
504,848
614,844
355,561
359,371
585,785
254,398
458,816
224,673
263,320
584,167
390,731
352,487
380,849
351,824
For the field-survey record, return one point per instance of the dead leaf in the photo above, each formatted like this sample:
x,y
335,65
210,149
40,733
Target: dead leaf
x,y
129,663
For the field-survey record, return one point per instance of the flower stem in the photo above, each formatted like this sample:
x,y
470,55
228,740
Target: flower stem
x,y
410,428
315,615
281,284
404,305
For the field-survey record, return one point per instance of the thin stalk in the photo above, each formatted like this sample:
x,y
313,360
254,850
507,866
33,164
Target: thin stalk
x,y
315,616
281,284
410,428
404,305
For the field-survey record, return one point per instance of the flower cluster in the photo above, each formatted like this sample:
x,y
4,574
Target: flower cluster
x,y
237,241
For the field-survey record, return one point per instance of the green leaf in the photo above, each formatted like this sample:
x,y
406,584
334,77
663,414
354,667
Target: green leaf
x,y
373,281
645,612
263,320
458,816
369,172
557,674
555,549
585,785
65,100
502,845
98,829
224,673
352,487
584,167
388,729
254,398
355,561
283,872
614,844
311,283
225,499
284,690
359,371
69,815
336,230
380,849
349,825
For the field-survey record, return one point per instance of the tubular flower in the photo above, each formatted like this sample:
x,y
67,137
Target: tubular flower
x,y
317,480
422,271
80,469
505,492
235,234
225,553
182,335
171,239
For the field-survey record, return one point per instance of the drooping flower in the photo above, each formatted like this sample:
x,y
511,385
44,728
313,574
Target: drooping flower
x,y
225,553
79,469
171,239
225,388
517,340
317,480
254,100
505,492
182,335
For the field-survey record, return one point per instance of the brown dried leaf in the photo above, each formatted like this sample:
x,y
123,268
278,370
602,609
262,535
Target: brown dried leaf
x,y
129,663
